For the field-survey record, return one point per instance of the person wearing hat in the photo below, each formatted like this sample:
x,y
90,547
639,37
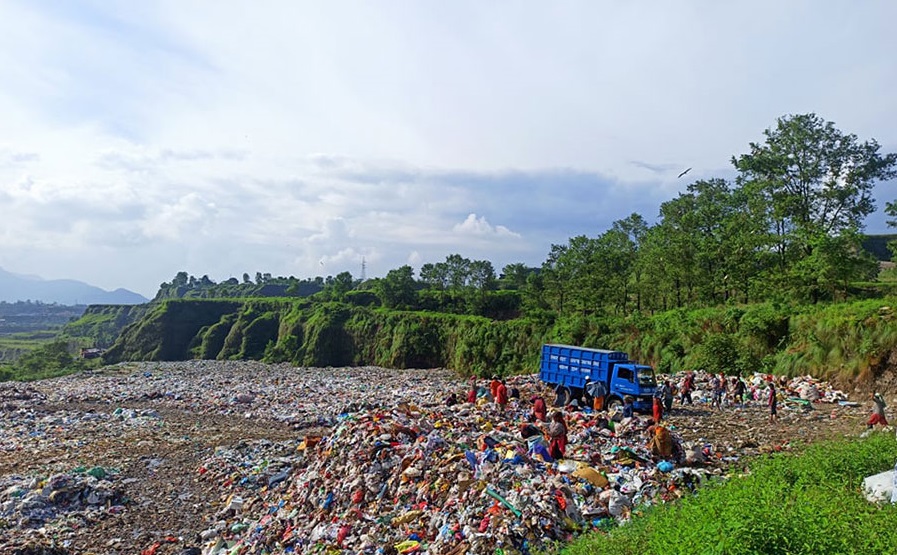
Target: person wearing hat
x,y
878,411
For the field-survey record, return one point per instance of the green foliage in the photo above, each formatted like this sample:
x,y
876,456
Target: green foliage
x,y
719,354
397,290
15,345
187,286
213,337
808,503
167,330
100,325
46,361
833,341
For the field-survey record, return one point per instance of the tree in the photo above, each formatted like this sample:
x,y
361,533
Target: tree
x,y
634,228
180,280
457,271
338,286
481,275
569,276
817,183
434,275
891,210
514,276
397,289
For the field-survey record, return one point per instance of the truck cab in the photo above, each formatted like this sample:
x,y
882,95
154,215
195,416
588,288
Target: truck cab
x,y
635,380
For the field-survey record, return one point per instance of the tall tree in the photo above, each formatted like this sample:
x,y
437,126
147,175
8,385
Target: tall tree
x,y
481,275
634,228
818,184
571,278
397,289
514,276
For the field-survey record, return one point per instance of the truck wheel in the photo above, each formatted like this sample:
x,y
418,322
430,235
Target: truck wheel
x,y
614,404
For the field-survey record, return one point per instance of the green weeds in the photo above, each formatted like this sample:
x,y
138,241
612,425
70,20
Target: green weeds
x,y
805,503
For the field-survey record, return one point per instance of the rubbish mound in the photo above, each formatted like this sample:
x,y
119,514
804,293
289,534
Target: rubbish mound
x,y
221,457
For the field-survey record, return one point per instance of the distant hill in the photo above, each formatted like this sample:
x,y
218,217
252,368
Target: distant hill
x,y
16,287
878,245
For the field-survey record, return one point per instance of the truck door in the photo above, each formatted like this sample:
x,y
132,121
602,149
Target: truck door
x,y
623,382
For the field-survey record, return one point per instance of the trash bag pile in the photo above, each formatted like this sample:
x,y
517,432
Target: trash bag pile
x,y
430,478
67,500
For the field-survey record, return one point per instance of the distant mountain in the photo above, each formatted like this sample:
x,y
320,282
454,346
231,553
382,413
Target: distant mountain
x,y
16,287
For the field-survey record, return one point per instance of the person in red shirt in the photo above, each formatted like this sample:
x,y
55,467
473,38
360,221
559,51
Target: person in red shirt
x,y
501,394
540,410
472,393
557,434
493,387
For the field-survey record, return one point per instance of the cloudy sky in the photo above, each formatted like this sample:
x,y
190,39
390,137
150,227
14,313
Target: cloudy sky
x,y
138,139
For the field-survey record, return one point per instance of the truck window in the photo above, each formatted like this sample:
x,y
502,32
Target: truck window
x,y
624,374
646,377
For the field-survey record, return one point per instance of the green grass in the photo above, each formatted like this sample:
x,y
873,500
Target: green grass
x,y
805,503
15,345
47,360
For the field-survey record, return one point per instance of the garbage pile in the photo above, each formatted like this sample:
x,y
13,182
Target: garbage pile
x,y
302,397
376,461
436,479
70,500
798,388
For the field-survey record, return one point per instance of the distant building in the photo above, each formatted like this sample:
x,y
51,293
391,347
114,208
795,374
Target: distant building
x,y
92,352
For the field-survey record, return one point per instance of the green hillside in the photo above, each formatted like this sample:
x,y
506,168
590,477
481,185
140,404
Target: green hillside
x,y
836,341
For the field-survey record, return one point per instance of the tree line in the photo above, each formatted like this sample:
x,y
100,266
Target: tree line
x,y
788,227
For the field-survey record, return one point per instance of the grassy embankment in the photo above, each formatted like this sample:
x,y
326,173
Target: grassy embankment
x,y
841,341
797,503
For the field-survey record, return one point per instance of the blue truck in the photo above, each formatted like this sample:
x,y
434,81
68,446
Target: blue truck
x,y
580,369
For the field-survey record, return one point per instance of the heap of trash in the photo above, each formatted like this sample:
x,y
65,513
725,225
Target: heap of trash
x,y
433,478
70,500
377,461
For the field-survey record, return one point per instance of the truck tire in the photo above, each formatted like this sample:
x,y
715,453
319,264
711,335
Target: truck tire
x,y
614,404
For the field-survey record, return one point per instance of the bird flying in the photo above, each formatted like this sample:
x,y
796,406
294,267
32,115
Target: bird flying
x,y
683,173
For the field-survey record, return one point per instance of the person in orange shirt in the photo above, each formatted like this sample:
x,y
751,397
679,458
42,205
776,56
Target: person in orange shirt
x,y
493,386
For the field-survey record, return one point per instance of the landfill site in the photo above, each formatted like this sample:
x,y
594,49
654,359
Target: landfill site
x,y
216,458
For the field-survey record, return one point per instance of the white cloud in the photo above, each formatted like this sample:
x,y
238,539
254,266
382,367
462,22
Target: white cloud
x,y
185,218
472,225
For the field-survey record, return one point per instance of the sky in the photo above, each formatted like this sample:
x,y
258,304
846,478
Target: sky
x,y
140,139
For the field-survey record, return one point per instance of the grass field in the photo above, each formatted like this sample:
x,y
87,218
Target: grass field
x,y
17,344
